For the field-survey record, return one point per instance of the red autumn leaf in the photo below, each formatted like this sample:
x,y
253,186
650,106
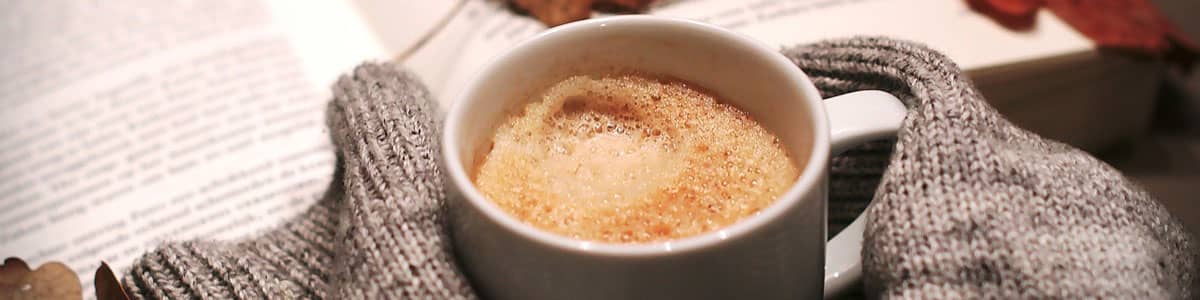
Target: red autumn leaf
x,y
1014,14
1016,7
1124,24
1130,26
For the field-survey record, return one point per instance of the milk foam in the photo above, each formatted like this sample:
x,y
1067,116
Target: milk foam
x,y
628,158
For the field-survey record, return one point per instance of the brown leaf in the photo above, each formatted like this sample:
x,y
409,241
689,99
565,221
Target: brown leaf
x,y
11,272
50,281
107,285
623,5
1013,14
557,12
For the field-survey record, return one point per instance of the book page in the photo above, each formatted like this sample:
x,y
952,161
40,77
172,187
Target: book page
x,y
972,40
484,29
472,36
402,26
128,123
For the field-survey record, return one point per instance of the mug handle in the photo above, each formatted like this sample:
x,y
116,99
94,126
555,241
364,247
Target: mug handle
x,y
855,118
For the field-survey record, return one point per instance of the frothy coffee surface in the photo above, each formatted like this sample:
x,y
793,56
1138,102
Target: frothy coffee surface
x,y
629,158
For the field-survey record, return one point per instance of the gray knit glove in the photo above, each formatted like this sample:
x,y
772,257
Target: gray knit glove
x,y
975,207
377,233
970,207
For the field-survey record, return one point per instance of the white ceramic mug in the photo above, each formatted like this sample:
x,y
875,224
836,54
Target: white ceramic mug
x,y
778,253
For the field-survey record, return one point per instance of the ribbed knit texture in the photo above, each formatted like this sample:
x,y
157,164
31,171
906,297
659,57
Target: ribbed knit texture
x,y
377,233
970,206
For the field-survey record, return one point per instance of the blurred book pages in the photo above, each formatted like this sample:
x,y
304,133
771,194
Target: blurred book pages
x,y
127,123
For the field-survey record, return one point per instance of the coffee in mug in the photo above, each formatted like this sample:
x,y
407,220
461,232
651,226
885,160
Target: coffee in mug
x,y
632,158
523,229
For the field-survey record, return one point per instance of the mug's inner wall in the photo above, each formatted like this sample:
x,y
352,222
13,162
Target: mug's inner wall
x,y
741,75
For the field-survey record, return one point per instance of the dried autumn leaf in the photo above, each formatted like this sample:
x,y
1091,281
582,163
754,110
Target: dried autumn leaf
x,y
1127,26
49,281
1013,14
624,5
11,272
1016,7
557,12
1131,25
107,285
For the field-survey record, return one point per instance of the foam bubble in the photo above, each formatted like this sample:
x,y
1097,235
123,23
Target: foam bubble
x,y
628,158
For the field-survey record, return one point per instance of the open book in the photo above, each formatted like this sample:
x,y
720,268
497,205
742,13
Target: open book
x,y
127,123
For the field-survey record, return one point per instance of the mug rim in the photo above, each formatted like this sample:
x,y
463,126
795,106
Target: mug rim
x,y
807,182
